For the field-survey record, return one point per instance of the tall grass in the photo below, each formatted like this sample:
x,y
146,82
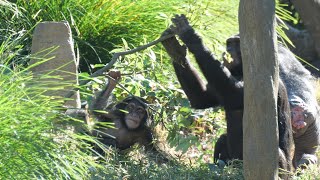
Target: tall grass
x,y
33,142
100,25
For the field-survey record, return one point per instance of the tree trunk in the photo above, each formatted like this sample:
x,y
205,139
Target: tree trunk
x,y
261,72
309,11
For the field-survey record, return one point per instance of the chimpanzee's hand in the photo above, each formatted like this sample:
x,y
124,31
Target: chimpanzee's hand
x,y
181,24
114,76
176,51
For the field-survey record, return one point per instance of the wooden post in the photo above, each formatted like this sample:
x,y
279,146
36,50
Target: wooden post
x,y
53,40
261,71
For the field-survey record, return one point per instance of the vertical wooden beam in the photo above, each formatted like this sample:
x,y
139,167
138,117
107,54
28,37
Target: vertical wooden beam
x,y
53,40
261,71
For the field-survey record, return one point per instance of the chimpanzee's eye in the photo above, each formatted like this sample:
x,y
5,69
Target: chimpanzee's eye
x,y
140,110
130,106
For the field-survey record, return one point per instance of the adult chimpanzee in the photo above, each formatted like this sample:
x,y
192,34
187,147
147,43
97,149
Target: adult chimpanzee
x,y
301,94
222,89
129,118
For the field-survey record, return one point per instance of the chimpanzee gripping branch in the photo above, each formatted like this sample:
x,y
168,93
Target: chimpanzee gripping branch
x,y
114,59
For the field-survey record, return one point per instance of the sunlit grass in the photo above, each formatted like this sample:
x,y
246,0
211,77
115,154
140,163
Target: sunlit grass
x,y
37,140
99,26
33,141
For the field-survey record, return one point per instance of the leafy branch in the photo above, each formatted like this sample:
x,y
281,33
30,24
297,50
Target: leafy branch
x,y
114,59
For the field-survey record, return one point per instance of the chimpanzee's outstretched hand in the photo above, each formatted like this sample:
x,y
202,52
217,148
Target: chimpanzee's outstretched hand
x,y
181,24
114,76
176,51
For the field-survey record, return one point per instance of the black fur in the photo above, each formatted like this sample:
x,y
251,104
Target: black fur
x,y
222,89
299,83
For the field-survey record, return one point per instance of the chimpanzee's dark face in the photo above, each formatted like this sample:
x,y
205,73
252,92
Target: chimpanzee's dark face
x,y
234,61
135,115
233,48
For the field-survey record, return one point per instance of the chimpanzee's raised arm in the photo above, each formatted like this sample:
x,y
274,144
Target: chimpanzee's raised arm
x,y
100,101
218,76
193,86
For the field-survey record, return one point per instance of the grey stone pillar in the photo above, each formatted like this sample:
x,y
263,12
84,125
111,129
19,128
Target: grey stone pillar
x,y
53,41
